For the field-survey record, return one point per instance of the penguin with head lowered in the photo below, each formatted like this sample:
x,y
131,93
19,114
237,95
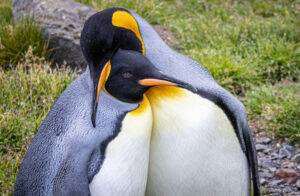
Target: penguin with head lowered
x,y
201,141
124,170
73,158
73,144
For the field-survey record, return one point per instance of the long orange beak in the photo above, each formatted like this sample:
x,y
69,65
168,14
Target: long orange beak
x,y
103,77
155,82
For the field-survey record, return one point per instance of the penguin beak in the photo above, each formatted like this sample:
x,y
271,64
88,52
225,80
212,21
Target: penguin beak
x,y
155,82
97,90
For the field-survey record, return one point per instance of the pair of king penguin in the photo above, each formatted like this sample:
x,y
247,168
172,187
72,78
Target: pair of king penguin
x,y
161,127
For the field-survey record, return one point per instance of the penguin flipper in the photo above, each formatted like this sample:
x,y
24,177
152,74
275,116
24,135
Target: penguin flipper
x,y
236,113
251,156
245,135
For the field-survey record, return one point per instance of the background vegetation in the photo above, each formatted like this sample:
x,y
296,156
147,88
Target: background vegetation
x,y
28,88
251,48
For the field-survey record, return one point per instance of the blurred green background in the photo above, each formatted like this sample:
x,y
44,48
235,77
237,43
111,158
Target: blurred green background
x,y
250,47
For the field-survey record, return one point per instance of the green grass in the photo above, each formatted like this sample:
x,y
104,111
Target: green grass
x,y
242,43
15,39
248,46
28,89
276,109
6,13
27,94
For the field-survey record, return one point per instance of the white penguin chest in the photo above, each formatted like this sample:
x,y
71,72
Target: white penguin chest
x,y
125,167
194,149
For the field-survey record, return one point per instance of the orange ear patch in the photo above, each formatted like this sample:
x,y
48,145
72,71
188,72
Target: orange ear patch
x,y
125,20
103,77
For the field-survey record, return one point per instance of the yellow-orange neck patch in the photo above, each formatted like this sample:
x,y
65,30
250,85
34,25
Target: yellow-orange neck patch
x,y
143,106
125,20
157,93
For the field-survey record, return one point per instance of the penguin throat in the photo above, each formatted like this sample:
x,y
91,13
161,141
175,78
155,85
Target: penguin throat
x,y
143,106
156,93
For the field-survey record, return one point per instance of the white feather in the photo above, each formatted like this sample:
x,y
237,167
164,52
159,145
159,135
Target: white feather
x,y
125,168
194,149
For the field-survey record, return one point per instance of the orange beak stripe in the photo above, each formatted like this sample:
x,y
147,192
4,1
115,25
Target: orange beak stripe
x,y
155,82
103,77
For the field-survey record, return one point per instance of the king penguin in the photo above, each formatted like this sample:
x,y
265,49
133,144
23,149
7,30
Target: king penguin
x,y
197,138
68,151
68,156
200,137
207,158
131,77
81,149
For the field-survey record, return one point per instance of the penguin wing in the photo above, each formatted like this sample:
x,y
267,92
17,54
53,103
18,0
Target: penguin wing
x,y
67,151
236,113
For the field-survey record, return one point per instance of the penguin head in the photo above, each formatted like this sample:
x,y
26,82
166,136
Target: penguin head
x,y
102,35
132,74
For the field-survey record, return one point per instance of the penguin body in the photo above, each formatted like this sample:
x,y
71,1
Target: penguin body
x,y
200,82
194,149
68,152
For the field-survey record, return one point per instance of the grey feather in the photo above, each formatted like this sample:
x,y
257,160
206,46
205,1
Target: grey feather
x,y
67,151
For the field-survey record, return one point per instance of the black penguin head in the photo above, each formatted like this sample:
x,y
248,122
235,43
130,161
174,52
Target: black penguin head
x,y
102,35
131,76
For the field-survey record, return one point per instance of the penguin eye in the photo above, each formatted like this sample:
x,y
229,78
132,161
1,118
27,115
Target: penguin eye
x,y
126,75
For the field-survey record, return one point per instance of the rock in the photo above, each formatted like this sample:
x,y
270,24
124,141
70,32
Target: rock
x,y
287,189
298,184
265,174
261,147
283,173
275,192
278,145
61,21
276,182
287,164
284,153
272,169
266,163
296,158
288,147
264,140
274,155
262,181
280,160
288,175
